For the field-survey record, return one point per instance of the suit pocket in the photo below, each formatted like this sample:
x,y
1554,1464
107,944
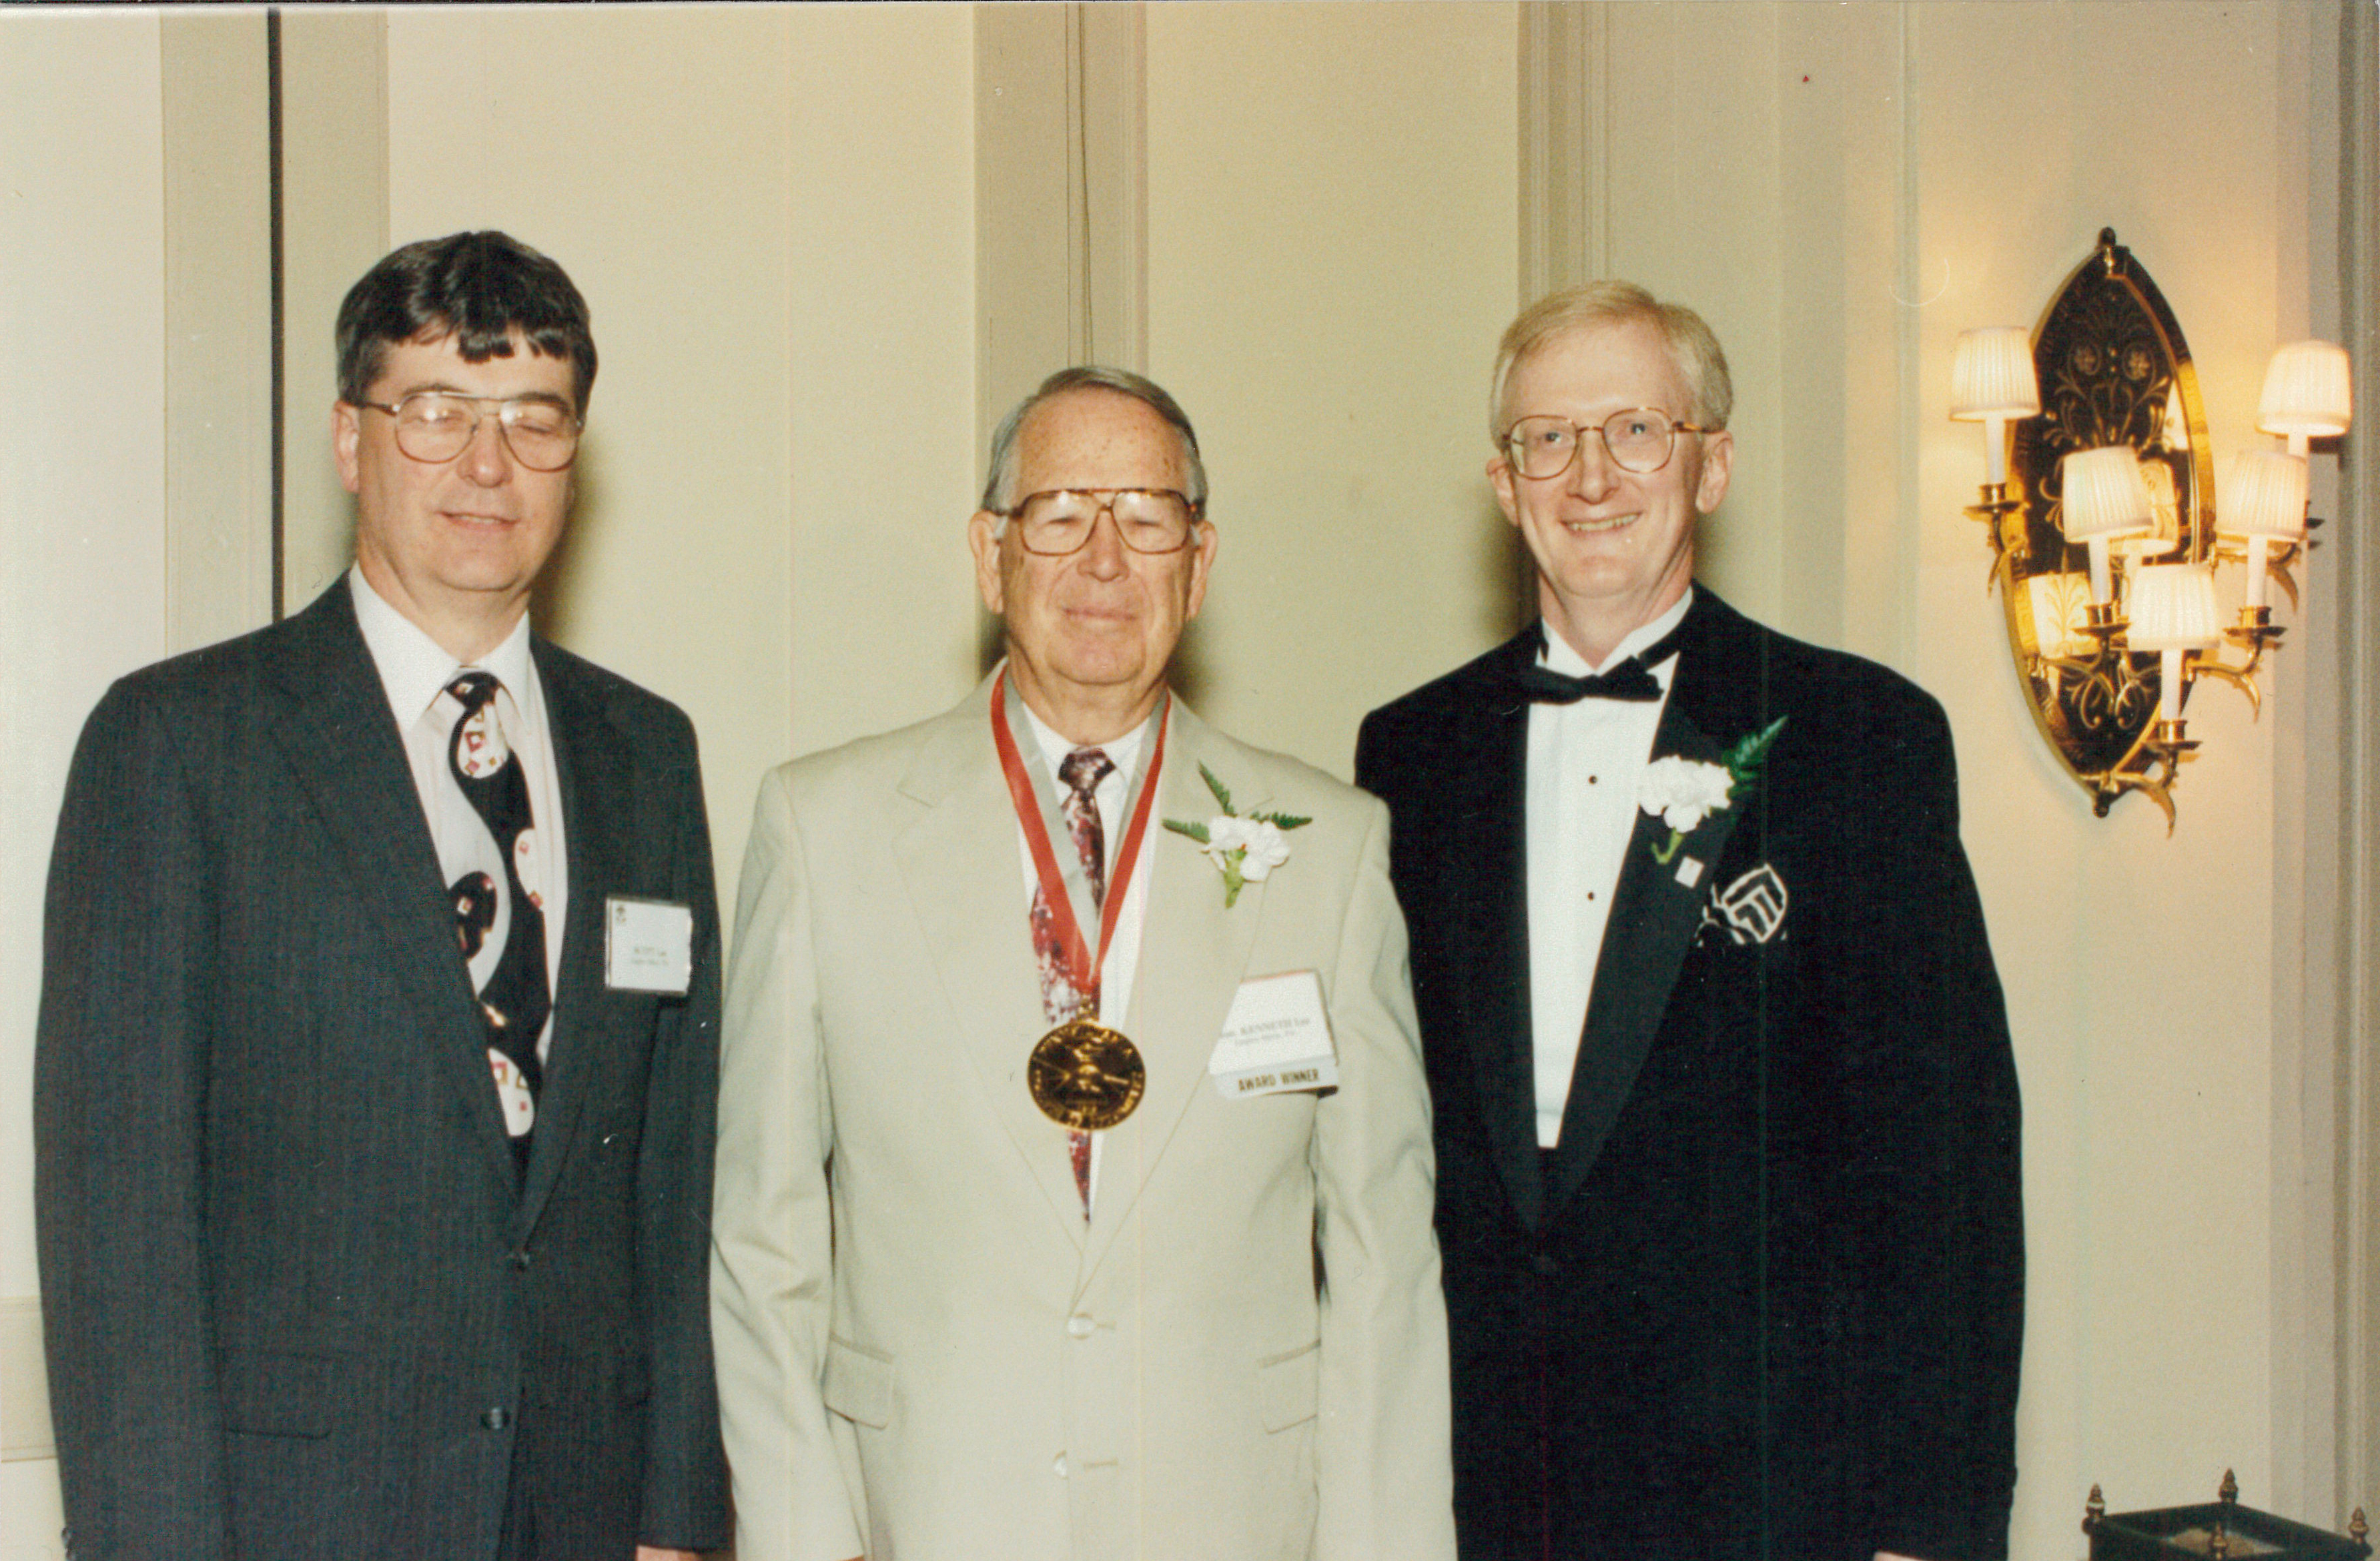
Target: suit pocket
x,y
858,1384
270,1393
1288,1388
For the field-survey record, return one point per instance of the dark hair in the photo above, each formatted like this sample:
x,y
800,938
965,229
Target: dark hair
x,y
1000,482
477,287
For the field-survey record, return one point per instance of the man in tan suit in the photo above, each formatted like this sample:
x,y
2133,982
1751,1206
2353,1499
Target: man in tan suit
x,y
1075,1178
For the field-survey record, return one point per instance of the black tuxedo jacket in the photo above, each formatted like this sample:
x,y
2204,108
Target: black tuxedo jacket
x,y
299,1301
1766,1296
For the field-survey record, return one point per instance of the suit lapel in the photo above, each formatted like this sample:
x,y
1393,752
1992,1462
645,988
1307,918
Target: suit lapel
x,y
595,769
1489,873
959,862
342,742
1194,953
1655,911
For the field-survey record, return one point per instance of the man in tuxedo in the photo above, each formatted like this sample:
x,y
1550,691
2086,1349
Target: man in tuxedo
x,y
377,1065
1726,1113
1074,1169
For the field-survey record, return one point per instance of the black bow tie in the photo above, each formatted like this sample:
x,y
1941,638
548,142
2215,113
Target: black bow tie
x,y
1627,681
1633,679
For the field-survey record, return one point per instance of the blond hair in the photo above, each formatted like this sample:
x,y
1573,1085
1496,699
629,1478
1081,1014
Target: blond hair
x,y
1696,352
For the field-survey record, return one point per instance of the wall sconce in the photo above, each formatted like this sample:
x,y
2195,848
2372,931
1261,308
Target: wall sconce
x,y
2099,500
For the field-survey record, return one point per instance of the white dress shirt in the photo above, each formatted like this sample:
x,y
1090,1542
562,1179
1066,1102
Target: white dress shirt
x,y
414,671
1585,762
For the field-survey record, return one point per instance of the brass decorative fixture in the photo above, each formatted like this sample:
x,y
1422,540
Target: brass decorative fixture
x,y
2100,502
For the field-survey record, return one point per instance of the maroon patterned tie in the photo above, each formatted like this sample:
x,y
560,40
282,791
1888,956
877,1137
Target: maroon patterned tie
x,y
1082,772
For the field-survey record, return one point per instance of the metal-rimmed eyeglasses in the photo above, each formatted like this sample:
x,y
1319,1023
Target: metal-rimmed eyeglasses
x,y
1060,520
1639,440
434,427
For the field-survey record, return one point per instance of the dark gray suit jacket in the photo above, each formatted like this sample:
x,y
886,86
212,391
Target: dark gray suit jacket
x,y
1766,1298
299,1301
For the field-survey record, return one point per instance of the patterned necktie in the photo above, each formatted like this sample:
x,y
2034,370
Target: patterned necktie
x,y
513,997
1082,772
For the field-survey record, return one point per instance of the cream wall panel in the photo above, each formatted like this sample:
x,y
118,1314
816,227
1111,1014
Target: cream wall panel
x,y
82,525
646,150
1331,256
2139,968
881,359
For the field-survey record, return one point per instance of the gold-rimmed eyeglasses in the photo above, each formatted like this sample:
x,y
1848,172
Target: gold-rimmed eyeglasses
x,y
1060,520
1639,440
434,427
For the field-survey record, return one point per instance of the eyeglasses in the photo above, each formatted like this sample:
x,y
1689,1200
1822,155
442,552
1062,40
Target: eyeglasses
x,y
1639,440
436,426
1150,520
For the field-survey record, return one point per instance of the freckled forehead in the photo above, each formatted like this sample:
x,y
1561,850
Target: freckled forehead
x,y
1589,372
1098,438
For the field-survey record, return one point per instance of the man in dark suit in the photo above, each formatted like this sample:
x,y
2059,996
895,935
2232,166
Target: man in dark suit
x,y
1726,1113
376,1074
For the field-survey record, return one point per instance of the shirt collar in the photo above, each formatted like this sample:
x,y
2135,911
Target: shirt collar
x,y
1559,656
414,669
1122,752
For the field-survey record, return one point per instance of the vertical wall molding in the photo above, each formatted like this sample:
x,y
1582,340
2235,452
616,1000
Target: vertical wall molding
x,y
2356,843
335,226
1565,168
1110,177
219,479
1062,201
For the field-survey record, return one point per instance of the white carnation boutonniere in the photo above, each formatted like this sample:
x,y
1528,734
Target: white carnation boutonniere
x,y
1245,850
1682,793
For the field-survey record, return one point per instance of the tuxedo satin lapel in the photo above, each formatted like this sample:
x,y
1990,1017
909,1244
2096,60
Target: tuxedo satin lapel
x,y
596,770
959,862
1194,953
1492,880
342,742
1653,917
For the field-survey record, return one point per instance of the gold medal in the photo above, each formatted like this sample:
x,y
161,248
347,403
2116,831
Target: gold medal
x,y
1086,1076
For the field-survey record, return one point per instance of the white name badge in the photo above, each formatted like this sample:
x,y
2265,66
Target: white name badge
x,y
648,945
1276,1039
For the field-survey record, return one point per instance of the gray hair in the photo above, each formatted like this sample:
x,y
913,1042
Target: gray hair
x,y
1692,346
1000,482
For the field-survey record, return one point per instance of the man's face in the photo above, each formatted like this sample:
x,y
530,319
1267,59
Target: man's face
x,y
1098,624
1613,549
458,538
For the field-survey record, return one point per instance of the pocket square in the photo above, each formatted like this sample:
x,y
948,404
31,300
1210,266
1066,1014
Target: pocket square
x,y
1750,910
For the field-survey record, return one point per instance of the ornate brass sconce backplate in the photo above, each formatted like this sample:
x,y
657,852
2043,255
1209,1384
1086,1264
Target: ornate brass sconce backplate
x,y
2113,369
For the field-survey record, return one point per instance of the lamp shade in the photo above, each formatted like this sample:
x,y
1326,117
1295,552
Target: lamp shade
x,y
2263,494
2307,391
2104,494
2172,608
1991,375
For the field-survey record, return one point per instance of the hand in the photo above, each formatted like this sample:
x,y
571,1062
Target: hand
x,y
647,1552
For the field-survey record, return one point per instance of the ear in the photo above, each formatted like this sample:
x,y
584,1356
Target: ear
x,y
1202,559
1718,462
1499,473
346,432
983,540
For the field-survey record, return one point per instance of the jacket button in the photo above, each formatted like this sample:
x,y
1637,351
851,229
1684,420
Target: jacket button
x,y
1545,1263
519,1258
495,1418
1079,1326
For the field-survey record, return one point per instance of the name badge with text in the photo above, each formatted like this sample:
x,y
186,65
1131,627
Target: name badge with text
x,y
648,945
1276,1039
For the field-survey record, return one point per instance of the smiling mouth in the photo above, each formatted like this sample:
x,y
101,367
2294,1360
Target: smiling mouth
x,y
1590,527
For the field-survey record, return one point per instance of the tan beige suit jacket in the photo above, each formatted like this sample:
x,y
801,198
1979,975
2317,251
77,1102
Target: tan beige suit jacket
x,y
924,1350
